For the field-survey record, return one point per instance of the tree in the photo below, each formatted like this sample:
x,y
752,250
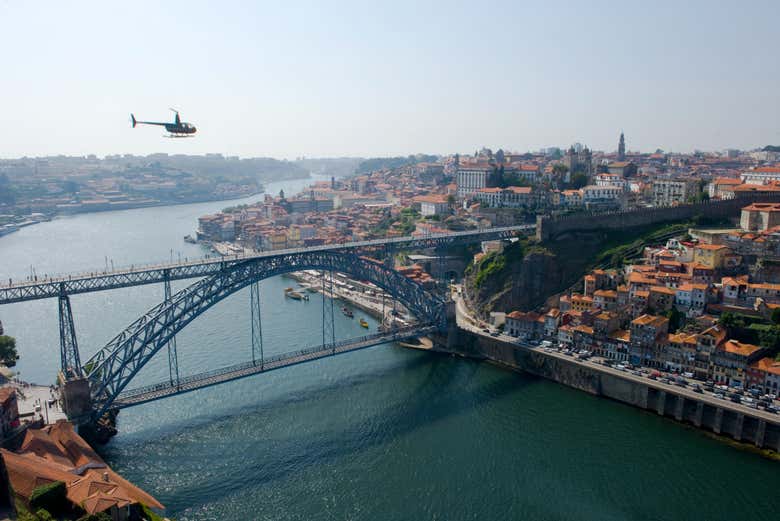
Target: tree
x,y
500,156
50,497
100,516
769,338
578,181
731,321
776,315
8,355
70,187
676,319
450,199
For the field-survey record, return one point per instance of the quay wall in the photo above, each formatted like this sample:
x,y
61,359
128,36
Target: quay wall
x,y
551,228
724,418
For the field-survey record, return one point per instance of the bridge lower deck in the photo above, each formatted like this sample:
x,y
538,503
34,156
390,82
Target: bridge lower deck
x,y
243,370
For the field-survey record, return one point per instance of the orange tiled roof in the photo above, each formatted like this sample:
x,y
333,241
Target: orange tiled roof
x,y
738,348
650,320
768,365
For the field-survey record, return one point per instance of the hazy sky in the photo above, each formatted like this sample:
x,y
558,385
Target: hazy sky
x,y
285,79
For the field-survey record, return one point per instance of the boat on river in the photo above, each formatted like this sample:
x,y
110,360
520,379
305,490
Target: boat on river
x,y
364,323
291,293
347,312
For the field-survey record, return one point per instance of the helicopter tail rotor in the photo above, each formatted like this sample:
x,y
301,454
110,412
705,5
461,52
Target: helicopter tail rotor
x,y
132,118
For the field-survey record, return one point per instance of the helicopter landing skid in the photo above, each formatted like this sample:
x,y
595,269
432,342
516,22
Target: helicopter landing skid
x,y
178,136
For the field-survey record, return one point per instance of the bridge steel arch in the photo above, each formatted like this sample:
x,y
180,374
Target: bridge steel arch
x,y
112,368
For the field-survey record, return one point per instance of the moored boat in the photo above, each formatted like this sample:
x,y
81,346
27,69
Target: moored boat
x,y
363,322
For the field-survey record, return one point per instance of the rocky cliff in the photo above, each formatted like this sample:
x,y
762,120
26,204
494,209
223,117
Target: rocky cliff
x,y
521,278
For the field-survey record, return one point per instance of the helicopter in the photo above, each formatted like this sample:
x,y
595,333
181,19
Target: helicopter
x,y
177,128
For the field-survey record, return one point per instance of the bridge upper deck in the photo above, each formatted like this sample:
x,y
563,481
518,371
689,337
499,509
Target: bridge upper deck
x,y
22,291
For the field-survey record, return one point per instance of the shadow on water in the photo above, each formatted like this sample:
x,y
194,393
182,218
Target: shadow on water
x,y
313,392
443,392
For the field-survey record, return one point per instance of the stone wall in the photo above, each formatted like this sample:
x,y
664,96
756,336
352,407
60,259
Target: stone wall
x,y
727,420
550,228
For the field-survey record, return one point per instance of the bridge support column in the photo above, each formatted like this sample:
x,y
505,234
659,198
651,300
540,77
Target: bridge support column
x,y
328,324
173,356
69,347
257,324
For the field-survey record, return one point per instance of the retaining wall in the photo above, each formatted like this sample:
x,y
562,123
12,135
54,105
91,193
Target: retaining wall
x,y
724,419
549,228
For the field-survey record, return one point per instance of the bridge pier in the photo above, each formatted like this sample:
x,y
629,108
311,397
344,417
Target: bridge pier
x,y
75,397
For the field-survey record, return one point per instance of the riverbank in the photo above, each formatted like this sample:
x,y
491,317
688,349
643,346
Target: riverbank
x,y
722,418
377,304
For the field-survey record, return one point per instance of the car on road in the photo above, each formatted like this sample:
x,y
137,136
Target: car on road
x,y
494,333
720,396
697,389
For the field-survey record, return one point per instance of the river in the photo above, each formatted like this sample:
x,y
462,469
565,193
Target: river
x,y
380,434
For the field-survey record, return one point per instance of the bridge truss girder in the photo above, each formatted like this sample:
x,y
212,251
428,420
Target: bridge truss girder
x,y
114,366
136,276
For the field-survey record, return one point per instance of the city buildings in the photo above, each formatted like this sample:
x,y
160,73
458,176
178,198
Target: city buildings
x,y
669,192
666,310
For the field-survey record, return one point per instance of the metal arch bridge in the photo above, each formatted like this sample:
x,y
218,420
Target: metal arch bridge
x,y
52,287
112,368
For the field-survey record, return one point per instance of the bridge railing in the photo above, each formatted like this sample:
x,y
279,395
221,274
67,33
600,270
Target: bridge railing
x,y
276,359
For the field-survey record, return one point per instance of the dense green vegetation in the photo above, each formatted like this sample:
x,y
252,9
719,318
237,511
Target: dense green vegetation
x,y
494,264
753,330
50,497
41,514
623,245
